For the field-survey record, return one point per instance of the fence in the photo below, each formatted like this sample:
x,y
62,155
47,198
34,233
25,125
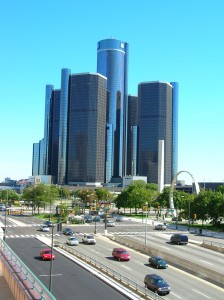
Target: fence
x,y
22,282
125,281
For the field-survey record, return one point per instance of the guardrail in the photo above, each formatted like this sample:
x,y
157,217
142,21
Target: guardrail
x,y
20,278
139,289
215,244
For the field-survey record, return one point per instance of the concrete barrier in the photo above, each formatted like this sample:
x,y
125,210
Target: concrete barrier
x,y
177,261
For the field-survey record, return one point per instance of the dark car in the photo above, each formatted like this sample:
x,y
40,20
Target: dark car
x,y
88,219
158,262
96,219
48,223
68,231
157,284
180,239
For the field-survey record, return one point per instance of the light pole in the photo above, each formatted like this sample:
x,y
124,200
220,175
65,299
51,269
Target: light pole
x,y
146,215
95,218
177,218
189,214
6,204
51,263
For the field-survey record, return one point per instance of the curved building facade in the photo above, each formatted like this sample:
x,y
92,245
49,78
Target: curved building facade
x,y
112,57
63,126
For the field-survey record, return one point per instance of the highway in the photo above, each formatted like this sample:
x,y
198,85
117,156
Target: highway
x,y
183,285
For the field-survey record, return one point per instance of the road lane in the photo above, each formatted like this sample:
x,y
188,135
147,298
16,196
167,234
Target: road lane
x,y
69,280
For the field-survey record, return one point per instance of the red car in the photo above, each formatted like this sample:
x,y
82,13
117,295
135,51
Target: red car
x,y
46,254
121,254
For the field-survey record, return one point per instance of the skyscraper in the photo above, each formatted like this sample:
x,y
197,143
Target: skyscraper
x,y
54,135
63,126
35,160
112,62
87,128
175,128
48,100
155,102
132,134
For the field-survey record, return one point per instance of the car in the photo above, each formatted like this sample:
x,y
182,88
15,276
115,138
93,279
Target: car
x,y
96,219
176,219
160,227
157,284
46,254
89,239
48,223
158,262
72,241
88,219
120,254
119,219
110,224
68,231
178,238
44,228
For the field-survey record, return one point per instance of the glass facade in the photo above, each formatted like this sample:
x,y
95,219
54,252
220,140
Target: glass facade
x,y
155,123
41,157
48,100
87,128
134,150
112,57
35,160
54,135
175,129
63,126
131,134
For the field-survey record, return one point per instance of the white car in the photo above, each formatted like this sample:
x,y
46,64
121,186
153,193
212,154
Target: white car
x,y
110,224
44,228
72,241
160,227
88,239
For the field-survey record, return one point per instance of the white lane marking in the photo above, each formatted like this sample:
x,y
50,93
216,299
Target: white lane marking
x,y
126,267
176,295
94,251
201,294
51,275
166,248
205,262
221,260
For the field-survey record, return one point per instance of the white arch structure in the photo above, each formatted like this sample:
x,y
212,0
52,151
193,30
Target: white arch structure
x,y
197,188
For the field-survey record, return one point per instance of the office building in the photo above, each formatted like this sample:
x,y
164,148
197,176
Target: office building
x,y
48,100
63,126
175,86
87,129
35,159
155,122
112,62
132,134
54,135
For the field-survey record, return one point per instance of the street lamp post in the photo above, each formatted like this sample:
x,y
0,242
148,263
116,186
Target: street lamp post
x,y
51,263
177,218
189,214
105,231
146,216
95,218
6,204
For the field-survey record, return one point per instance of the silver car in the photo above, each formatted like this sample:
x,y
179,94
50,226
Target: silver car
x,y
44,228
72,241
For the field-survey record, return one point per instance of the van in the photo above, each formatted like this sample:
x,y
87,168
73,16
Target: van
x,y
180,239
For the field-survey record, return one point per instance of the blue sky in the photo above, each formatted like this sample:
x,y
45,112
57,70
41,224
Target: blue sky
x,y
176,40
